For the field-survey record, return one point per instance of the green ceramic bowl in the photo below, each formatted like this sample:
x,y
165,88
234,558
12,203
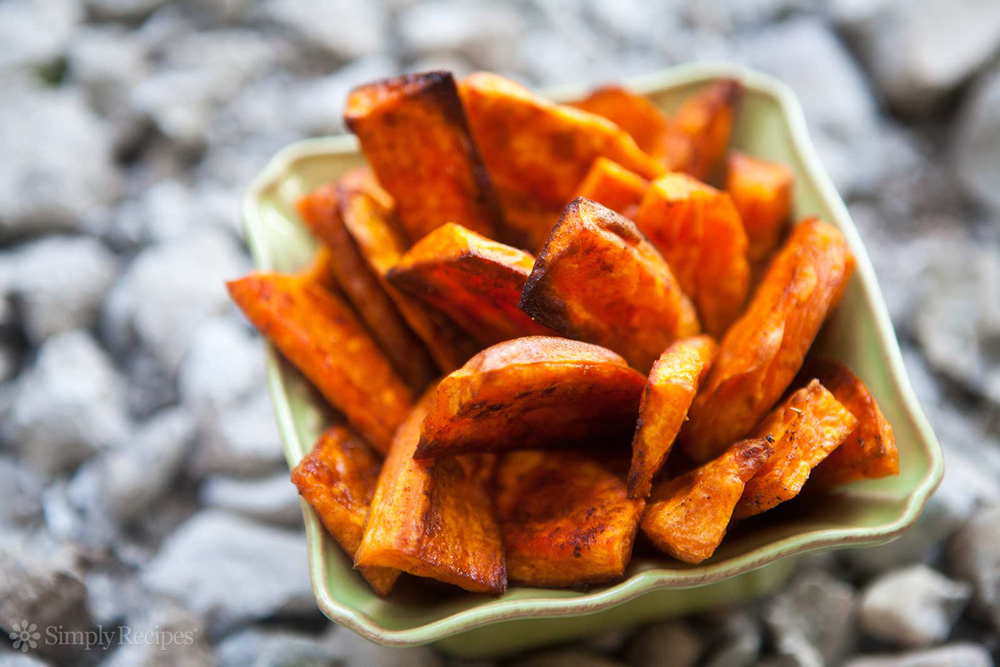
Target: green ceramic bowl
x,y
755,558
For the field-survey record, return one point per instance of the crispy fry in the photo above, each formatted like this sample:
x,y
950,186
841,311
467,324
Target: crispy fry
x,y
537,152
699,130
632,112
869,452
532,392
762,193
338,480
565,519
473,280
687,516
804,429
763,350
671,387
370,224
612,185
598,279
700,234
320,334
414,133
409,357
434,518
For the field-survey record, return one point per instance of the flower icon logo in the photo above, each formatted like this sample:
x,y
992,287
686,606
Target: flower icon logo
x,y
24,636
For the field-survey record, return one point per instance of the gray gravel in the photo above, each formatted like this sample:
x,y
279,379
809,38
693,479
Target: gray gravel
x,y
143,475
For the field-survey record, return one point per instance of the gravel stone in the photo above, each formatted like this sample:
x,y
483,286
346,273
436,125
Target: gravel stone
x,y
43,588
813,617
976,147
352,649
44,190
177,635
564,658
243,442
974,556
136,476
913,607
230,570
163,320
342,28
59,284
952,655
68,405
918,52
272,499
838,105
275,648
671,644
24,45
484,33
222,368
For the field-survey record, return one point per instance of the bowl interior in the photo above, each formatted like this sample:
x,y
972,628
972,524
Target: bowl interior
x,y
769,125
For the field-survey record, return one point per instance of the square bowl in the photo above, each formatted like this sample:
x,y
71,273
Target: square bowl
x,y
756,557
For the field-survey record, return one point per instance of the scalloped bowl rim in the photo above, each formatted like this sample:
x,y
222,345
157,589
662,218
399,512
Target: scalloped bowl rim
x,y
652,579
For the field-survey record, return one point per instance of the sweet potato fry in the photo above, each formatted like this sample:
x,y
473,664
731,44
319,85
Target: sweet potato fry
x,y
612,185
320,334
763,350
762,193
565,519
699,233
370,224
869,452
414,133
338,480
434,518
699,130
598,279
687,516
473,280
537,152
532,392
630,111
804,429
320,211
671,387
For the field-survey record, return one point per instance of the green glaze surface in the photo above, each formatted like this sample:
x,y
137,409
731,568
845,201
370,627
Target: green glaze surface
x,y
754,558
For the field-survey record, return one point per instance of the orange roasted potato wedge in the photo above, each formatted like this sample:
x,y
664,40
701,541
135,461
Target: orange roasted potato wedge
x,y
538,152
632,112
598,279
338,480
434,518
762,193
414,133
670,388
699,233
699,130
870,450
321,336
565,518
763,350
612,185
804,429
532,392
471,279
320,211
364,209
687,516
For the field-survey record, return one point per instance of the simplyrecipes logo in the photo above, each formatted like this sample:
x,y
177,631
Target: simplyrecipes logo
x,y
27,636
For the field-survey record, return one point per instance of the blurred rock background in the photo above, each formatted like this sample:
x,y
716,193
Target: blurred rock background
x,y
143,481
